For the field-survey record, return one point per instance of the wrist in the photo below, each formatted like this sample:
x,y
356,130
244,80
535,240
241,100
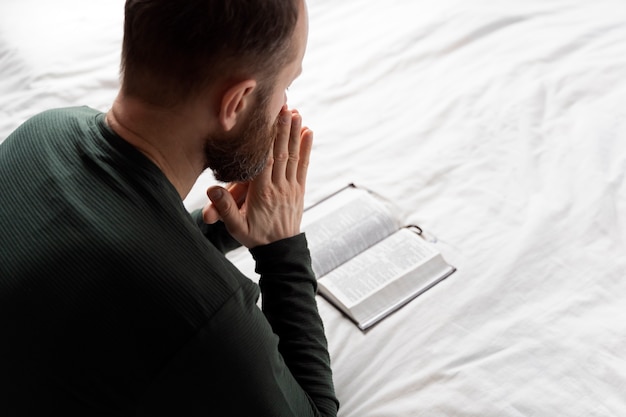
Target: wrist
x,y
286,256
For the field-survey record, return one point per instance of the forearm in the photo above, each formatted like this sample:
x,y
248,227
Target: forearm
x,y
289,287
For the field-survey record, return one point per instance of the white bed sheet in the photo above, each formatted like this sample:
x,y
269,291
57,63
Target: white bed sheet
x,y
498,126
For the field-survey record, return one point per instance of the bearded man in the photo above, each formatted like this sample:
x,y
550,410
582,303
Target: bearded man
x,y
114,300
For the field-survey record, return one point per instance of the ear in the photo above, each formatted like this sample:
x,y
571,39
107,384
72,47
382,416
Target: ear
x,y
234,101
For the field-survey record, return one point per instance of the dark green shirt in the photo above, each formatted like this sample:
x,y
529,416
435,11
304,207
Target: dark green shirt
x,y
115,301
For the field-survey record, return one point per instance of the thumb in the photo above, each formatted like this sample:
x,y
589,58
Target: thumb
x,y
210,214
225,206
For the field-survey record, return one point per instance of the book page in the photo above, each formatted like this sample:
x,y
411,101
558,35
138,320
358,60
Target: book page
x,y
374,269
344,225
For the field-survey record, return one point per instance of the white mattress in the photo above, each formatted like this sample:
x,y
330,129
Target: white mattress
x,y
498,126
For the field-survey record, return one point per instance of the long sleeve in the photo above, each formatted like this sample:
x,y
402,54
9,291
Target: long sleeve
x,y
289,287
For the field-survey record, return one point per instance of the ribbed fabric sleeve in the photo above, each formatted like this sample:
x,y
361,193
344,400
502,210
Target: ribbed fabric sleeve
x,y
289,286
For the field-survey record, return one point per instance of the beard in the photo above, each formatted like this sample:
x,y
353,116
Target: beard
x,y
240,156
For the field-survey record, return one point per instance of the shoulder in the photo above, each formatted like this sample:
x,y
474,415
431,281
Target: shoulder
x,y
65,113
51,127
59,116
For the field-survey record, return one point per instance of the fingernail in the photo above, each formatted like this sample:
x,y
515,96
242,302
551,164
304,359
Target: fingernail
x,y
215,194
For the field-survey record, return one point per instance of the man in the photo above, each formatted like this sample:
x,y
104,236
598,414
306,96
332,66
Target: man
x,y
114,301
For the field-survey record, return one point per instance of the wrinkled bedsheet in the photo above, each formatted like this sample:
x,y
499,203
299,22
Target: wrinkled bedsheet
x,y
497,126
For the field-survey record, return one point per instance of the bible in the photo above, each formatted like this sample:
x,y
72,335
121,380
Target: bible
x,y
368,265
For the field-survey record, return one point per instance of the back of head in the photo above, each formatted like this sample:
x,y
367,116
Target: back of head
x,y
173,49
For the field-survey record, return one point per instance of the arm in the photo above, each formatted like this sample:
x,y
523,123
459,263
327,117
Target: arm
x,y
289,286
268,222
244,363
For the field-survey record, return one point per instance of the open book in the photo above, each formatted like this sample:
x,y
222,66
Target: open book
x,y
367,264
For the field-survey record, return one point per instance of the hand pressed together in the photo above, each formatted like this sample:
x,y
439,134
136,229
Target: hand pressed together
x,y
268,208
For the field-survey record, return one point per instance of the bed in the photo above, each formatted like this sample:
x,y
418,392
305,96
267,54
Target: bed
x,y
499,127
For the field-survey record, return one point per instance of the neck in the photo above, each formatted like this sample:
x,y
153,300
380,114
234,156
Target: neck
x,y
172,138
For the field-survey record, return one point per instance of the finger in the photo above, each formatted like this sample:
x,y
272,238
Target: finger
x,y
306,144
281,146
239,191
294,146
226,207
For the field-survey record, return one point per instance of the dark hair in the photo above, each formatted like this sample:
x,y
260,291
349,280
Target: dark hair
x,y
174,48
